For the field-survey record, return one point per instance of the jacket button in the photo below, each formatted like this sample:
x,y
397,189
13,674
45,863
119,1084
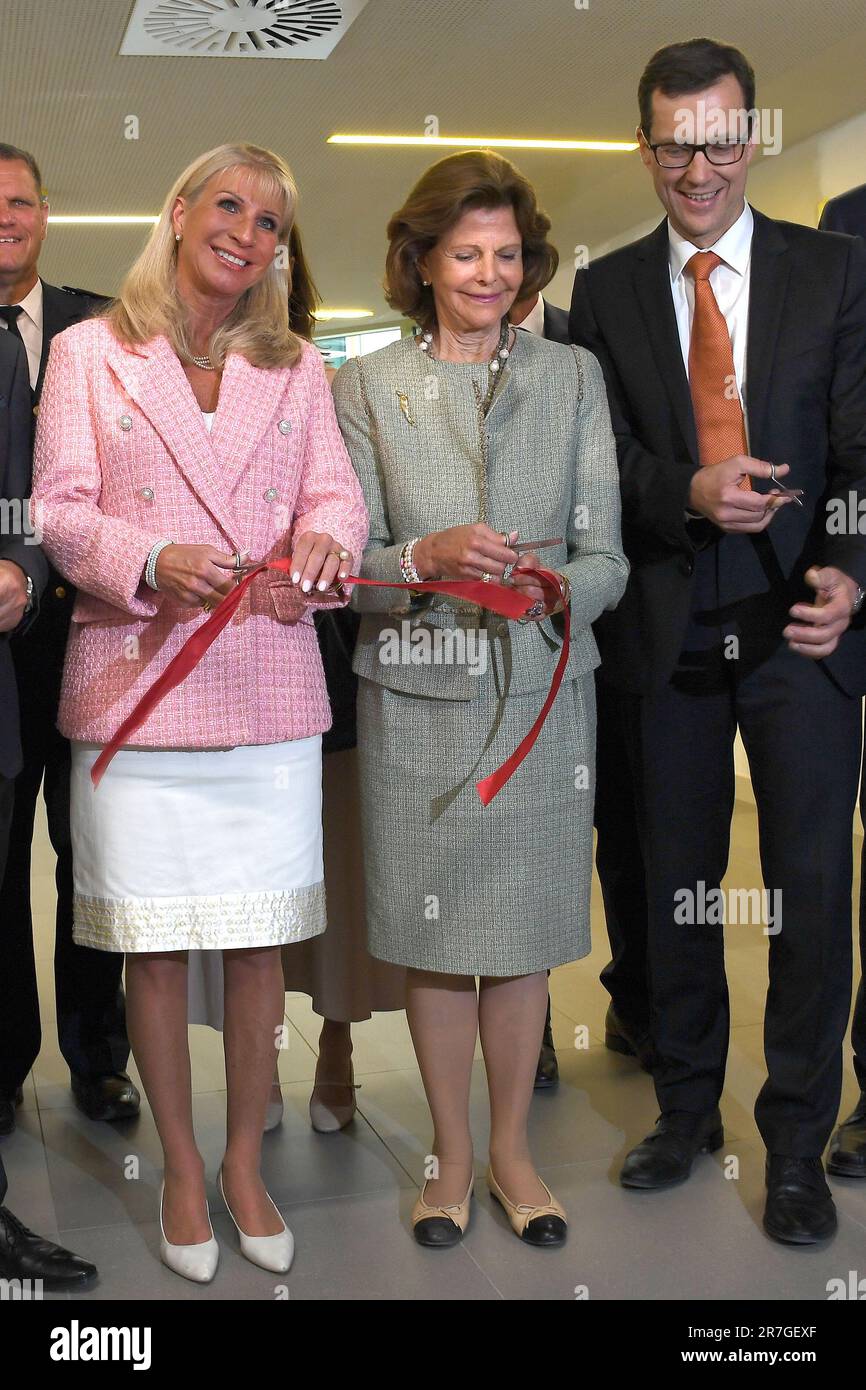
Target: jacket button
x,y
147,493
502,630
687,566
270,494
125,422
60,592
284,426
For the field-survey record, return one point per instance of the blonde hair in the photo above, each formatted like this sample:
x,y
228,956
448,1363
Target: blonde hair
x,y
258,326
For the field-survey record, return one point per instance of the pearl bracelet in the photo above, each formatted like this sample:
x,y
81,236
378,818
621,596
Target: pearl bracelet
x,y
150,567
407,566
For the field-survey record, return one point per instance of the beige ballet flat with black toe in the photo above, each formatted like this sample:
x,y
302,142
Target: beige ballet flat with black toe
x,y
544,1225
440,1226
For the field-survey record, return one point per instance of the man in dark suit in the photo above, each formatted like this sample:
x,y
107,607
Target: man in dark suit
x,y
23,573
90,1006
847,214
734,350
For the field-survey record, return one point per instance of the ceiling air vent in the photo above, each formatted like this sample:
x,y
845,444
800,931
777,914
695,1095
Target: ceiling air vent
x,y
239,28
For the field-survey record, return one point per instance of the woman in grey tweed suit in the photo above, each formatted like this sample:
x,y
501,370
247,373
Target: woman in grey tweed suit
x,y
459,460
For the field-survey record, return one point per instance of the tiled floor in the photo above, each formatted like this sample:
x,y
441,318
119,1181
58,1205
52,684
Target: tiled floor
x,y
347,1197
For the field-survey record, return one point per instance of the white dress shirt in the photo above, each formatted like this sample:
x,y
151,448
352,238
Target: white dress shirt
x,y
730,285
30,328
534,321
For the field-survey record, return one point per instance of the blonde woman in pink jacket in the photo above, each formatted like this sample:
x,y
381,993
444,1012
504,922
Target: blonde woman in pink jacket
x,y
180,435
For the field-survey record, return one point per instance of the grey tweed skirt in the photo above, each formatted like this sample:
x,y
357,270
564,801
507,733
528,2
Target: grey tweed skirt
x,y
453,886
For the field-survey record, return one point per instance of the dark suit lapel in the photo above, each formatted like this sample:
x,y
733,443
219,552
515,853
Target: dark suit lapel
x,y
768,279
59,311
652,283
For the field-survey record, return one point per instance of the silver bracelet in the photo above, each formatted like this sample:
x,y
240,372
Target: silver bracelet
x,y
150,567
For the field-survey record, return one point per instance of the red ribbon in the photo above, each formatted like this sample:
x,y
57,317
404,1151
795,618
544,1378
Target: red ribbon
x,y
496,597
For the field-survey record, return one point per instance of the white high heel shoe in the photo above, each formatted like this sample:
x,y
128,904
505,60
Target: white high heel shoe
x,y
275,1252
196,1262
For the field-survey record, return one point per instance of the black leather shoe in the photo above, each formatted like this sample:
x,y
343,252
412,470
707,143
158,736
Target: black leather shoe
x,y
799,1208
666,1156
24,1255
8,1106
111,1097
622,1037
547,1071
848,1147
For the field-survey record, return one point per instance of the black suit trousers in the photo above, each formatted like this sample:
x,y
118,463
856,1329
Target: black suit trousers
x,y
619,861
7,799
91,1025
858,1026
802,737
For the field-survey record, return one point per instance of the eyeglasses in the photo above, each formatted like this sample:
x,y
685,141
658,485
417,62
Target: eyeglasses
x,y
676,156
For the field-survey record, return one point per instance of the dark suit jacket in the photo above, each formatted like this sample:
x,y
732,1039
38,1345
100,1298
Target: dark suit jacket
x,y
556,323
60,309
14,487
847,213
806,385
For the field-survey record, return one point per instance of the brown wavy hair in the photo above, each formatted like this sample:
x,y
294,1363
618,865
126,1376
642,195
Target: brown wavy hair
x,y
454,185
304,298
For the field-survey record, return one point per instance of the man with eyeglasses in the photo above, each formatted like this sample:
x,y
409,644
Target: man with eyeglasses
x,y
734,350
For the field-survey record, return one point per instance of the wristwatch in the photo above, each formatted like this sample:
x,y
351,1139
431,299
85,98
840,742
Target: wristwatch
x,y
29,604
858,602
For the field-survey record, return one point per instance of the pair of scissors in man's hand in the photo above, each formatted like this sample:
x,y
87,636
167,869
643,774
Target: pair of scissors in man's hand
x,y
778,490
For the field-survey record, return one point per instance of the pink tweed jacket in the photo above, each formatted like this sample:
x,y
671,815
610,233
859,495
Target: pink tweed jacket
x,y
123,459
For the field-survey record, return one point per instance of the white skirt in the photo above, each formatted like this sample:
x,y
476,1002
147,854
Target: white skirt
x,y
180,850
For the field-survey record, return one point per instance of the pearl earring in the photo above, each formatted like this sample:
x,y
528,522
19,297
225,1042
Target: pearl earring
x,y
425,282
177,236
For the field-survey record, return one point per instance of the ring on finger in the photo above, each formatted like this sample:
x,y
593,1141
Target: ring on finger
x,y
486,577
206,605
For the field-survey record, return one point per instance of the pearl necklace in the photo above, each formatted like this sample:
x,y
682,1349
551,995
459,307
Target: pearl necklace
x,y
205,363
425,342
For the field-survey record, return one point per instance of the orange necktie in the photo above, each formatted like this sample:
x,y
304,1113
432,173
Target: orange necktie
x,y
719,421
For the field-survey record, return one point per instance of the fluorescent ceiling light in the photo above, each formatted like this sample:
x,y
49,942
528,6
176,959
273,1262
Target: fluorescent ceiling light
x,y
324,314
484,141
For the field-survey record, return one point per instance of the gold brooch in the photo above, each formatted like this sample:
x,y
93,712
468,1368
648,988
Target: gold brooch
x,y
404,406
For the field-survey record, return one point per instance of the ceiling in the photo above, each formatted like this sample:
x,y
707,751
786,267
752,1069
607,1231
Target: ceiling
x,y
518,67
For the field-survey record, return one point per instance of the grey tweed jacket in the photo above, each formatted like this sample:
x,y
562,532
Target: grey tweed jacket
x,y
414,433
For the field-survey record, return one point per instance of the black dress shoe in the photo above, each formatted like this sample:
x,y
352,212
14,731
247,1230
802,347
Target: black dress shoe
x,y
848,1147
8,1106
547,1071
799,1208
666,1156
111,1097
24,1255
623,1037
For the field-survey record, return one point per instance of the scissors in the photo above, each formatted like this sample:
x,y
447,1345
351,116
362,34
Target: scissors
x,y
523,546
795,492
